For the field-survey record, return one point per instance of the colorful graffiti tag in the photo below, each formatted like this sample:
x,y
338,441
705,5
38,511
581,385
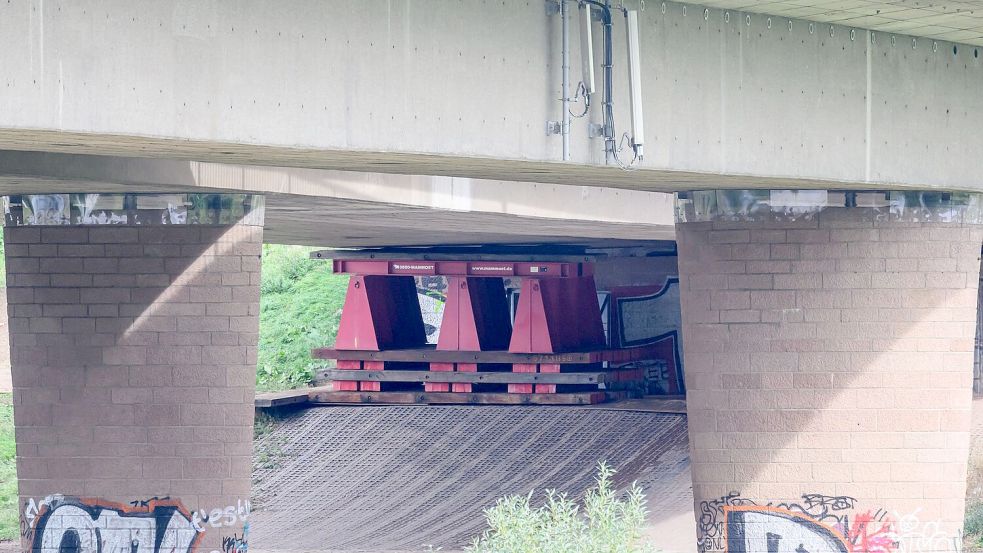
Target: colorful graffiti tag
x,y
815,524
60,524
651,315
81,526
775,530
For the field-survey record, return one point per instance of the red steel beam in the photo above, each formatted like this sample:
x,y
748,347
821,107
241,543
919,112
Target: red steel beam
x,y
462,268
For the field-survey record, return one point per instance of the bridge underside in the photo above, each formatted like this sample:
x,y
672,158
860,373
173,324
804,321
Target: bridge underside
x,y
350,209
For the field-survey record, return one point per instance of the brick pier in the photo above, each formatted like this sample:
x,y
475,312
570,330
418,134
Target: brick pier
x,y
829,369
133,354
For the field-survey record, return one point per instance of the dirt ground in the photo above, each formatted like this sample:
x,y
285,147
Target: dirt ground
x,y
672,526
400,478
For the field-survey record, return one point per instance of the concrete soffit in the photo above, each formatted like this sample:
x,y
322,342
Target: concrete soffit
x,y
260,158
37,172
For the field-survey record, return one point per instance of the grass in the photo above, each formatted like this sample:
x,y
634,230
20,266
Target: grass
x,y
974,526
300,306
9,512
3,262
973,523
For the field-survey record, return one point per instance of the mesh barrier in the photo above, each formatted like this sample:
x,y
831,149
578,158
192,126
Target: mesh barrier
x,y
402,477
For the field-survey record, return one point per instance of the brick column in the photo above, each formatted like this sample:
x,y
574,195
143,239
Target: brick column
x,y
133,354
829,368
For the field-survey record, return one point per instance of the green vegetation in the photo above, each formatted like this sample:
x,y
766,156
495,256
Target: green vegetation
x,y
974,526
608,523
3,262
300,306
9,515
973,523
268,453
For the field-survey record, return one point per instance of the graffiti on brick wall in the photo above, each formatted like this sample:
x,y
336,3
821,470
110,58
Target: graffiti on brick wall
x,y
222,517
236,544
645,316
814,524
60,524
803,205
432,295
82,526
132,209
918,535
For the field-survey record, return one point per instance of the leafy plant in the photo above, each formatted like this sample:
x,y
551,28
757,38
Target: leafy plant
x,y
9,516
607,522
300,307
3,262
973,524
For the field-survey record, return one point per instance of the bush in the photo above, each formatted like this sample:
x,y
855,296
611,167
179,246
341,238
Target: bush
x,y
974,522
300,307
283,266
609,523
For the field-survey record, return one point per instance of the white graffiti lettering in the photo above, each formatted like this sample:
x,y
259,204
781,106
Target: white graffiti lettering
x,y
221,518
915,536
31,511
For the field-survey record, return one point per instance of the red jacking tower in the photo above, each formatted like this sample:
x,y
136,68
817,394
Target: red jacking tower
x,y
552,350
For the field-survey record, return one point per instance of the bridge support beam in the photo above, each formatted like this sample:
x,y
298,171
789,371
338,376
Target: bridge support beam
x,y
828,341
133,351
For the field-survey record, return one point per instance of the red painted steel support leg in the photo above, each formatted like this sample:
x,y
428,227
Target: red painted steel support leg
x,y
547,388
464,368
530,333
450,386
346,385
476,315
366,386
522,388
439,386
381,312
557,315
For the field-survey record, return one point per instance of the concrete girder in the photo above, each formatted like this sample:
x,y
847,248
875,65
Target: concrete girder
x,y
951,21
465,90
348,209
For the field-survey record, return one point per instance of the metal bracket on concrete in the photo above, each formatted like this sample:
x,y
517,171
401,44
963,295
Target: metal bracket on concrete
x,y
554,127
553,7
595,130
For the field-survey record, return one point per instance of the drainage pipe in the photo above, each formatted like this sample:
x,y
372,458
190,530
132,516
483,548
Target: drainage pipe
x,y
565,130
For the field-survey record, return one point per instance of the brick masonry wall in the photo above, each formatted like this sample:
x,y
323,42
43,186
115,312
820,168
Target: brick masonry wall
x,y
133,356
830,357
